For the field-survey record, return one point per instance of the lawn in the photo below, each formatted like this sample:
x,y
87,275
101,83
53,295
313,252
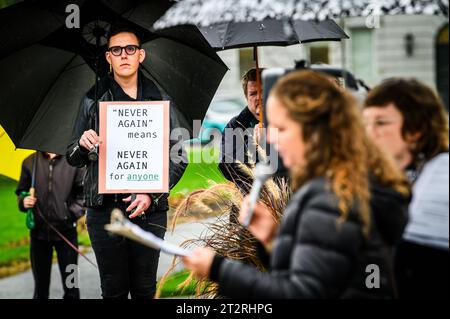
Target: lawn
x,y
171,286
13,232
201,172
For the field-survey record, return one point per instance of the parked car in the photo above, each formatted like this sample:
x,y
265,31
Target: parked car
x,y
220,112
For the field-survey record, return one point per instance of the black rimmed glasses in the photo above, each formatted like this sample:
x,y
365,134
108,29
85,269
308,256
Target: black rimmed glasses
x,y
129,49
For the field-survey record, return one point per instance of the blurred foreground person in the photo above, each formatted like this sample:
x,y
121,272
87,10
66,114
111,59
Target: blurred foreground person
x,y
409,121
56,206
348,208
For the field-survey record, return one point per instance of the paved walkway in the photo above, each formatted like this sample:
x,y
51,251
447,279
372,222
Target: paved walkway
x,y
21,286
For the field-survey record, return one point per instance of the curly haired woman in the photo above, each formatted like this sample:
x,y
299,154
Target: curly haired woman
x,y
348,208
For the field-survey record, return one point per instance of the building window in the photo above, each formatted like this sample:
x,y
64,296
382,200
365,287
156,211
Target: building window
x,y
362,53
319,53
246,60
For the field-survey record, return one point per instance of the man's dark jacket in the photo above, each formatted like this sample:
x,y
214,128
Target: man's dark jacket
x,y
59,193
232,148
77,156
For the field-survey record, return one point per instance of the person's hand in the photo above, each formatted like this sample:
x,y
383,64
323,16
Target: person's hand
x,y
262,225
89,140
200,262
142,202
29,202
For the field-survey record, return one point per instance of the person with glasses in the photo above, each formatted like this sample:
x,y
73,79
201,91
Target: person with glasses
x,y
129,49
408,120
125,267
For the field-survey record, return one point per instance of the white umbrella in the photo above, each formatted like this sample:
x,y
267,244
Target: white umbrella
x,y
207,12
204,13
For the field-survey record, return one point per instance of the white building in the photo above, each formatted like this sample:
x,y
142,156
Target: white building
x,y
407,46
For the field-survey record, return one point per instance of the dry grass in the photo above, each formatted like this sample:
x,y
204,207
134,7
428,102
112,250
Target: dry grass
x,y
226,236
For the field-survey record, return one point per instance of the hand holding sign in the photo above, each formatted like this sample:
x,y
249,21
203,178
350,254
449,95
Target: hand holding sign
x,y
89,140
141,203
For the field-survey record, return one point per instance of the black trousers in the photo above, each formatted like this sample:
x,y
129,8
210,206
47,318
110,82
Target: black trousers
x,y
41,253
421,271
125,266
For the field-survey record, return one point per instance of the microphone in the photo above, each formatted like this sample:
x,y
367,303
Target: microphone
x,y
261,173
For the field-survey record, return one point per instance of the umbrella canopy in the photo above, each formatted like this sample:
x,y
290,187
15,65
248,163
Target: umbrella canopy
x,y
283,32
229,34
47,67
207,12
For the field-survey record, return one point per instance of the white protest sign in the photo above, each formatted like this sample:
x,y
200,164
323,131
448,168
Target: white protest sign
x,y
134,153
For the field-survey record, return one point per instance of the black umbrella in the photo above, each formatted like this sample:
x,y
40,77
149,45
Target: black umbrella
x,y
46,68
268,32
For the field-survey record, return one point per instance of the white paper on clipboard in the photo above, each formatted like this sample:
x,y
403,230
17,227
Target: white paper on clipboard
x,y
121,226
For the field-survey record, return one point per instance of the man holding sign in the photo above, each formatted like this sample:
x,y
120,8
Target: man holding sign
x,y
133,151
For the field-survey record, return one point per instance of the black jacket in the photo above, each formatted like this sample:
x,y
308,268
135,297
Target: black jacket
x,y
109,90
235,151
59,193
316,257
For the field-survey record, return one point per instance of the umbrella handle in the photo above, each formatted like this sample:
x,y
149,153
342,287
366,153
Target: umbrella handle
x,y
259,86
32,191
33,172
